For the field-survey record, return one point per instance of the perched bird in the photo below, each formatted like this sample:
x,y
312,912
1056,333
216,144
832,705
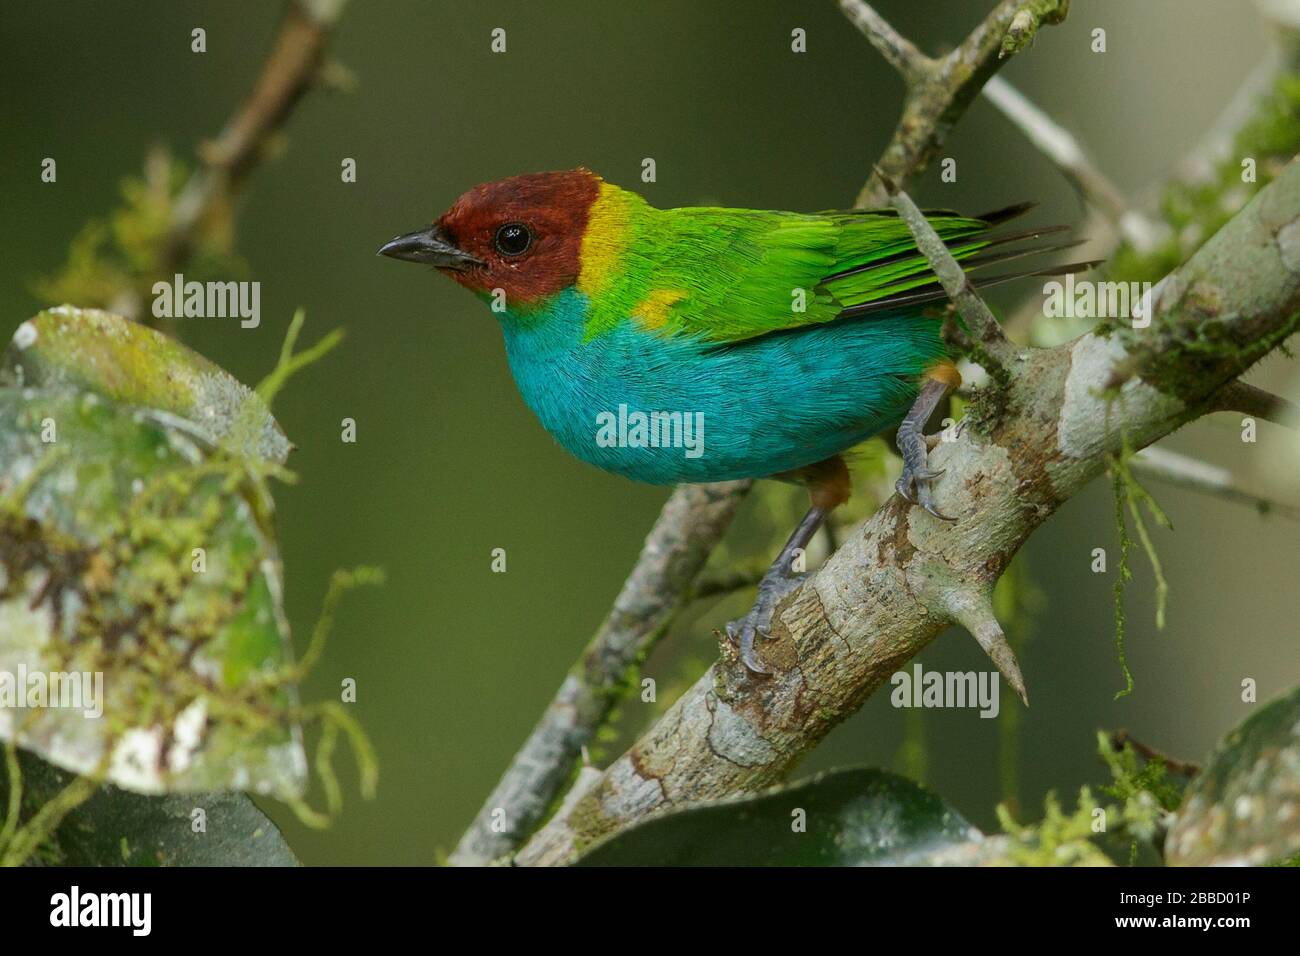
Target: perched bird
x,y
707,344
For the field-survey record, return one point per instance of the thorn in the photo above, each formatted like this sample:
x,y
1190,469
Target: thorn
x,y
974,611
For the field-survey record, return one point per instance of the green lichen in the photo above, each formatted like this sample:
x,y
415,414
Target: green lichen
x,y
1129,492
1141,816
1132,776
127,363
1024,25
1060,838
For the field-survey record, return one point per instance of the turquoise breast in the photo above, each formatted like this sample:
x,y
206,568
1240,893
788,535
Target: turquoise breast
x,y
667,410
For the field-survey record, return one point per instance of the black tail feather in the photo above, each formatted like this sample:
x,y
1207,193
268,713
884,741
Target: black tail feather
x,y
934,292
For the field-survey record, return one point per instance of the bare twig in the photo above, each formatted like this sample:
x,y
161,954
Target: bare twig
x,y
689,527
1184,768
992,348
898,51
940,90
1195,475
1068,155
291,68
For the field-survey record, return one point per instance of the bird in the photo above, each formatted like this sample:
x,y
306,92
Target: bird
x,y
707,344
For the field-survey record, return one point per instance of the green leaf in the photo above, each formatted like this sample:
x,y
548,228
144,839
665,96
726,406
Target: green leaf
x,y
1244,808
858,817
118,828
136,550
130,364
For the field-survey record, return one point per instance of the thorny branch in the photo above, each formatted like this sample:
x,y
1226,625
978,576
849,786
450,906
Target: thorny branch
x,y
985,334
903,577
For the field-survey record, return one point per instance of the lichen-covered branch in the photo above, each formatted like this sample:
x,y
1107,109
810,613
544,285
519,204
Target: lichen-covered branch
x,y
691,524
893,585
939,90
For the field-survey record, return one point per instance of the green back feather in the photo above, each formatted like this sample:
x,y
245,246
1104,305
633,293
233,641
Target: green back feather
x,y
725,275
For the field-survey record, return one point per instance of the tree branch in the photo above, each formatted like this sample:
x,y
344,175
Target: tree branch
x,y
1196,475
692,522
992,348
1060,146
891,587
292,66
1256,402
898,51
940,90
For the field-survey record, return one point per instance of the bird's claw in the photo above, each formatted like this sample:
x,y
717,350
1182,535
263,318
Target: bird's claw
x,y
745,631
919,478
743,634
913,485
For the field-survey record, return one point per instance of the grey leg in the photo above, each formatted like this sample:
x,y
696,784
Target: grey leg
x,y
780,580
916,474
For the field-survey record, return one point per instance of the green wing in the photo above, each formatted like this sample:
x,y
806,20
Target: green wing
x,y
725,275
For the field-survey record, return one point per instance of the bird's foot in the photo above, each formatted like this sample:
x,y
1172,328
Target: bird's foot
x,y
743,632
913,484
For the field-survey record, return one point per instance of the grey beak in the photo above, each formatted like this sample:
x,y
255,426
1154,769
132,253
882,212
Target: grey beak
x,y
429,246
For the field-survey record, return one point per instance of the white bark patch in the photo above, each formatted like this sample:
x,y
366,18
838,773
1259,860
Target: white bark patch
x,y
1087,426
734,739
627,794
1288,245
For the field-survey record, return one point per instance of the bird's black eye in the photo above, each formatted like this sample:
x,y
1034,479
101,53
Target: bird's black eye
x,y
513,239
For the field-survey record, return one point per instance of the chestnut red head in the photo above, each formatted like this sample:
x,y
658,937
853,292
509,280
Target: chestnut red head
x,y
522,234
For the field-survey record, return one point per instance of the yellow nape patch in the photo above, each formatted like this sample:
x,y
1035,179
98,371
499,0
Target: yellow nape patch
x,y
605,239
651,313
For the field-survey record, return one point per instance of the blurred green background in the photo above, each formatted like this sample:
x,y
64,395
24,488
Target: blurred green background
x,y
454,663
